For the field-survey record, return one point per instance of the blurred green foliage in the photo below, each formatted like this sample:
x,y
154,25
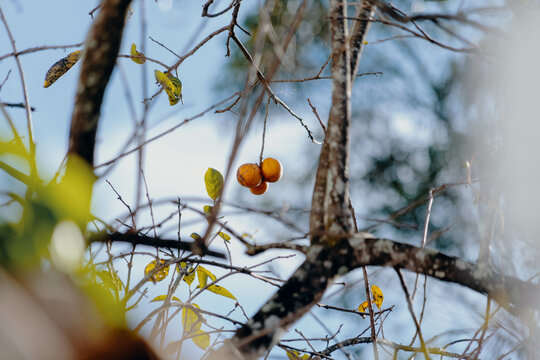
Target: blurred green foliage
x,y
40,207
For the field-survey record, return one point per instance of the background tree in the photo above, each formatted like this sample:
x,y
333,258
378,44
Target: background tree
x,y
293,46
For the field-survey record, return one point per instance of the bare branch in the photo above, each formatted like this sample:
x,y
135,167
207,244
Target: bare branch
x,y
140,239
101,48
40,48
19,105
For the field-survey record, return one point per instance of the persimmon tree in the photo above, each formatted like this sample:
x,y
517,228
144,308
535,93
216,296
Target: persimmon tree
x,y
334,245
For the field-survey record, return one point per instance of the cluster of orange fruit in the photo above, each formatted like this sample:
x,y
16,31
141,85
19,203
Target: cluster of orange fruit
x,y
256,177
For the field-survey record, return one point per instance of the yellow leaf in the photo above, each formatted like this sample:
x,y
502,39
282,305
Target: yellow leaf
x,y
295,355
173,100
195,236
224,236
138,57
163,297
363,306
164,81
213,181
220,290
171,85
189,278
176,94
377,295
191,321
201,339
208,209
158,276
203,274
61,67
189,272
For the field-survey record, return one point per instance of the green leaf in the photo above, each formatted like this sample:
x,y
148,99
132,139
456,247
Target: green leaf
x,y
220,290
16,174
213,181
110,280
105,303
163,297
13,147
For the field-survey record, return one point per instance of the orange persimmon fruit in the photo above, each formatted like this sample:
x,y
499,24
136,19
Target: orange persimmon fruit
x,y
259,190
271,170
249,175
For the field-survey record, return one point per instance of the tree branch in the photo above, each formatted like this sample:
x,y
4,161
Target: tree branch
x,y
359,34
101,50
307,285
330,214
329,209
140,239
508,291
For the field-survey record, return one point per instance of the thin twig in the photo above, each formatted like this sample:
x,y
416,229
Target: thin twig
x,y
264,130
317,115
165,47
19,105
91,13
5,79
40,48
484,329
26,97
206,6
166,132
411,310
274,97
425,234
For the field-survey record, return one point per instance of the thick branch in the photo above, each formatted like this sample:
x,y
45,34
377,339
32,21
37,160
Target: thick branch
x,y
329,210
359,34
508,291
328,255
101,50
140,239
307,285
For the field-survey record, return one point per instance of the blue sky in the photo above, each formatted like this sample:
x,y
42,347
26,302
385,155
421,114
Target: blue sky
x,y
175,164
